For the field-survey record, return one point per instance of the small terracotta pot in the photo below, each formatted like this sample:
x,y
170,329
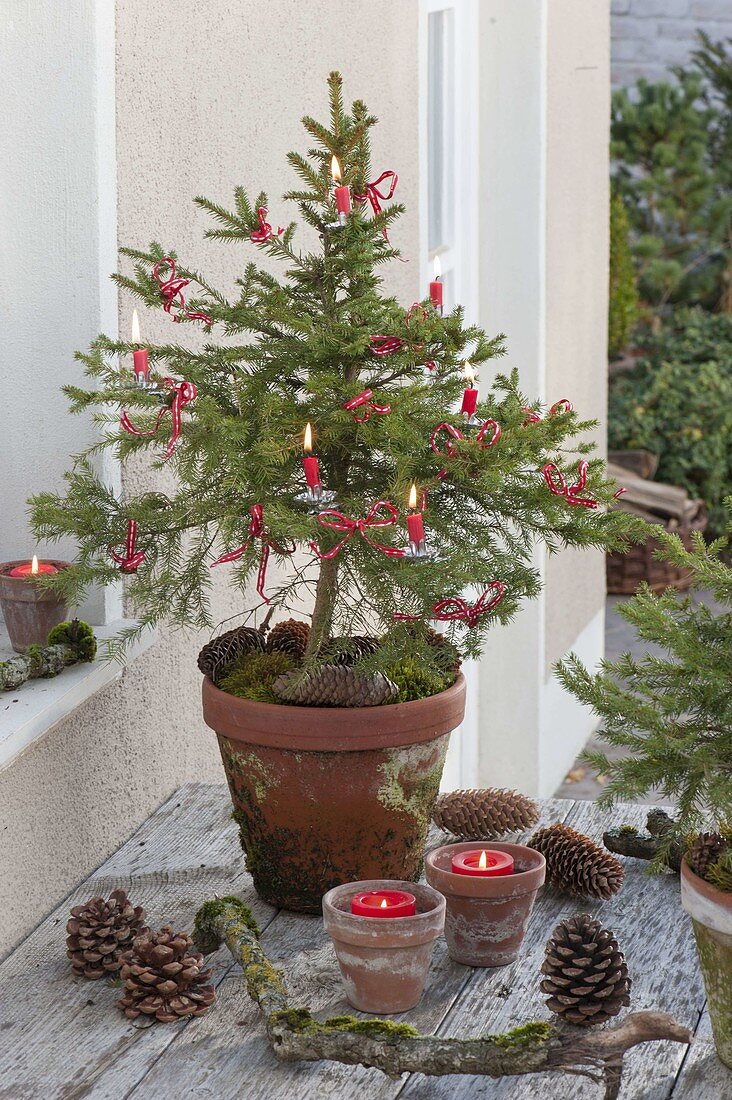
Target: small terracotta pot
x,y
711,915
30,613
486,918
384,960
325,795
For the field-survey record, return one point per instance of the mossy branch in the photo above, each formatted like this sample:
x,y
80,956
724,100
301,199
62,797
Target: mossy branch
x,y
69,643
535,1047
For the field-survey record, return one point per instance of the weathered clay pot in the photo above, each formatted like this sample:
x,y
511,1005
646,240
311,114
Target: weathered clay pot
x,y
711,915
326,795
486,918
384,960
30,613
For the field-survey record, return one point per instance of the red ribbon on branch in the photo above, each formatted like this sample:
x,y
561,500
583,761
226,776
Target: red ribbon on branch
x,y
561,406
336,521
376,197
455,434
131,560
265,231
183,394
456,609
172,289
385,345
555,480
257,530
363,401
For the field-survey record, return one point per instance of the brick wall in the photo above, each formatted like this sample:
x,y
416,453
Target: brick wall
x,y
650,35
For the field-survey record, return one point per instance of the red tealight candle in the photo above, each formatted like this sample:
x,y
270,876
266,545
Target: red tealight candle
x,y
342,193
470,394
310,461
33,568
415,522
139,358
483,863
436,285
384,903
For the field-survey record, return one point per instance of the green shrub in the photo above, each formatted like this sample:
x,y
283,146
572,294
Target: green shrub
x,y
677,403
623,303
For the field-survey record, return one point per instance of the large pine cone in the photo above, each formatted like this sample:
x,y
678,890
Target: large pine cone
x,y
335,686
215,657
290,636
484,815
705,849
163,978
586,976
576,865
347,651
100,932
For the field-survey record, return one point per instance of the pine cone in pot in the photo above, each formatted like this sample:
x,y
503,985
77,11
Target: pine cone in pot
x,y
100,932
164,978
290,636
576,865
586,977
335,686
486,814
347,651
218,654
704,850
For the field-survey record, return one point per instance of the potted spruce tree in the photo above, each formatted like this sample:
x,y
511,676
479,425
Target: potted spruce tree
x,y
320,430
670,714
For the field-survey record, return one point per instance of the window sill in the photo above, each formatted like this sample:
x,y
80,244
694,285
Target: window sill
x,y
32,709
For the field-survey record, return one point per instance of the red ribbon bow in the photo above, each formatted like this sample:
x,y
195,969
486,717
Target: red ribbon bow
x,y
555,480
130,561
385,345
455,434
336,521
265,231
172,288
454,608
561,406
376,197
257,531
363,401
183,394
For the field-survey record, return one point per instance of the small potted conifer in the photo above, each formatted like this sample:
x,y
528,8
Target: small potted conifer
x,y
671,716
320,430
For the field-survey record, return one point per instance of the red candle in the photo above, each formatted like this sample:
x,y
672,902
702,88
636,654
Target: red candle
x,y
310,461
139,357
415,522
342,193
483,863
33,568
470,394
384,903
436,286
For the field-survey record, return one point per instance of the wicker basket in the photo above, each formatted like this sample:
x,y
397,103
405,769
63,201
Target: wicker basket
x,y
626,571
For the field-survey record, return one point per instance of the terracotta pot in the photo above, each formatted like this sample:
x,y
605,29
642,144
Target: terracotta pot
x,y
30,613
486,918
384,960
326,795
711,915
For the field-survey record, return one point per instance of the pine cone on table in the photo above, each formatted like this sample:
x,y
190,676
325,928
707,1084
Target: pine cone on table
x,y
164,978
335,686
290,636
576,865
704,850
484,815
216,656
586,976
347,651
100,932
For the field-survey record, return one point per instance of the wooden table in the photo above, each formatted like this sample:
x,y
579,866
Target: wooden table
x,y
63,1037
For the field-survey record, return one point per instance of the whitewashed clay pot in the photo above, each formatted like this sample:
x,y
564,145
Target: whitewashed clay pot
x,y
384,961
711,914
486,918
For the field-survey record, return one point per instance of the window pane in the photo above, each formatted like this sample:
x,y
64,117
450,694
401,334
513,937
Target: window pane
x,y
439,129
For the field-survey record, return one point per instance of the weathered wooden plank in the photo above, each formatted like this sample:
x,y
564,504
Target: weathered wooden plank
x,y
63,1036
703,1076
646,918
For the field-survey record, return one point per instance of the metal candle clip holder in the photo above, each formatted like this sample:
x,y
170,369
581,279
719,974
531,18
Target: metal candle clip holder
x,y
420,551
471,422
315,498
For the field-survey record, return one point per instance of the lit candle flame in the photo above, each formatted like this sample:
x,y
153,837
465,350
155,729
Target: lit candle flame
x,y
335,169
412,503
308,440
483,861
469,374
437,268
135,327
34,565
383,904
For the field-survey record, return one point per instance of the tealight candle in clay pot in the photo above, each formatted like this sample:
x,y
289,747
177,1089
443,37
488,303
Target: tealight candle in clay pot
x,y
30,612
487,914
384,960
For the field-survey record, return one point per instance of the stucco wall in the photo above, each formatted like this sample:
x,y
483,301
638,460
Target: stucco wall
x,y
207,97
650,35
